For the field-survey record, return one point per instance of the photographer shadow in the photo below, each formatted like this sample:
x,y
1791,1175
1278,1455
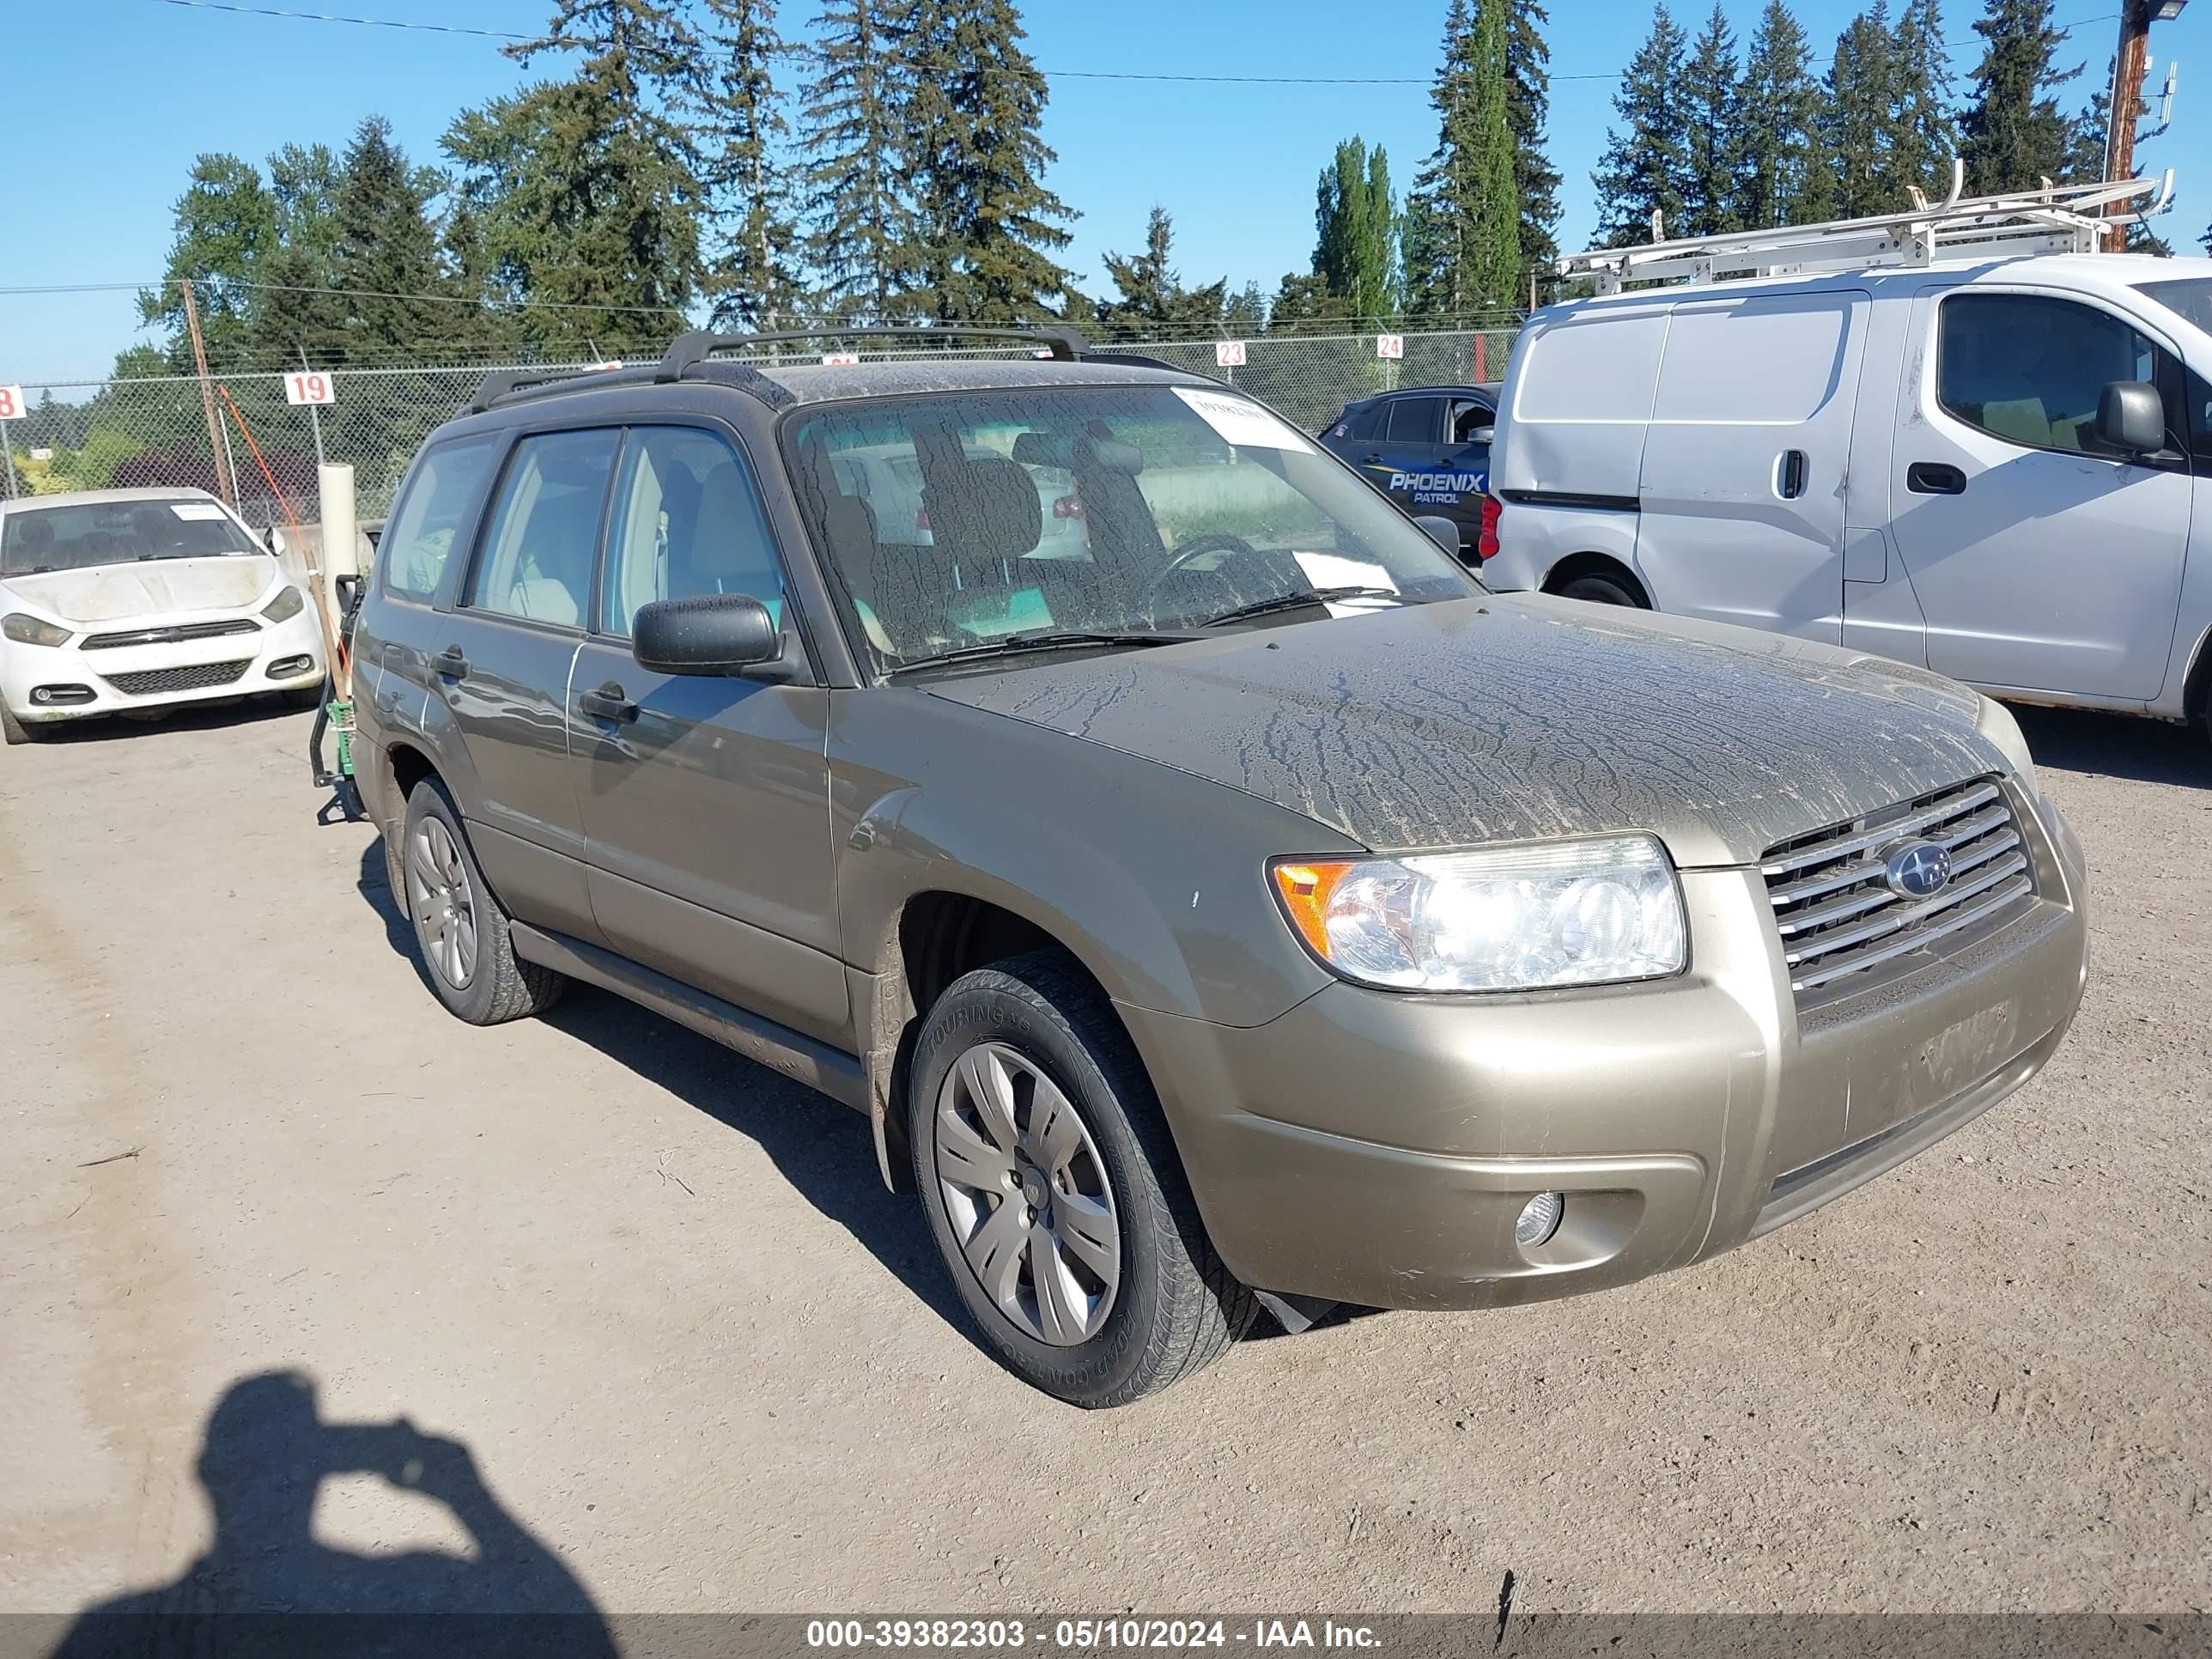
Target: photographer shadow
x,y
266,1585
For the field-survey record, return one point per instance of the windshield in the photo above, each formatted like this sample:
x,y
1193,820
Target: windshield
x,y
955,521
2191,297
77,537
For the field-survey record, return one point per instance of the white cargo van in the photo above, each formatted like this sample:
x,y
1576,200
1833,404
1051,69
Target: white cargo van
x,y
1936,440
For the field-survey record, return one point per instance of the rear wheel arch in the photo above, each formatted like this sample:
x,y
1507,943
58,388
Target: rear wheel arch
x,y
2196,688
1602,567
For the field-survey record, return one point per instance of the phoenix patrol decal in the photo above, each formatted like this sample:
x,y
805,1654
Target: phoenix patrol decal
x,y
1438,488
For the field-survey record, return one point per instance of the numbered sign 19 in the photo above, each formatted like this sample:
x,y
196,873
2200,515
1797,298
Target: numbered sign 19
x,y
309,386
1390,345
1229,354
11,403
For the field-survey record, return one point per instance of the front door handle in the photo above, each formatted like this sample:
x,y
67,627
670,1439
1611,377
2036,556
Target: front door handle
x,y
450,664
607,704
1935,479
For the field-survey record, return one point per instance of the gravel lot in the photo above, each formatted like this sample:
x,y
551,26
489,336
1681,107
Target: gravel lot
x,y
694,1348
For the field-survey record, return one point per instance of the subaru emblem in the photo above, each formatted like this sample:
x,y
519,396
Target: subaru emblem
x,y
1916,869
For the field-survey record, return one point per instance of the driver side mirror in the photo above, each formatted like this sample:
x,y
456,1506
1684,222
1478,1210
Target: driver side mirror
x,y
2131,418
1482,436
1441,530
715,635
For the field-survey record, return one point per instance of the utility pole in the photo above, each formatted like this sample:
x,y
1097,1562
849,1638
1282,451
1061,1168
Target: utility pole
x,y
2131,63
217,445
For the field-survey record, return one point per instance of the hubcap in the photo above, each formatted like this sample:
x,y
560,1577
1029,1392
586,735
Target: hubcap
x,y
1027,1194
443,905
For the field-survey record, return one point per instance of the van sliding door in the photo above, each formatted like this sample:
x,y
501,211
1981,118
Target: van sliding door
x,y
1741,488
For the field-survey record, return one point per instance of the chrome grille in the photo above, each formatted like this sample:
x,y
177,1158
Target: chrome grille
x,y
198,678
175,635
1837,915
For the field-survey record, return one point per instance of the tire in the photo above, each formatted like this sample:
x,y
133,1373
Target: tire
x,y
15,732
1172,1308
461,930
1600,589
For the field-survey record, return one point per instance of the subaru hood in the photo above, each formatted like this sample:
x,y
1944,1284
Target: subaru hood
x,y
149,588
1517,718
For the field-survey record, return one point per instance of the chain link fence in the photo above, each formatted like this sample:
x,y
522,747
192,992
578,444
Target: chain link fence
x,y
116,433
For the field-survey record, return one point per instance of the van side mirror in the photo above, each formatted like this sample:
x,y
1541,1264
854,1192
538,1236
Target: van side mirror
x,y
716,633
2131,418
1441,530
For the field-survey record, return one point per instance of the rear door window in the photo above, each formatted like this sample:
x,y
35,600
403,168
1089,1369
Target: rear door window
x,y
2032,369
535,561
1368,422
1417,420
432,515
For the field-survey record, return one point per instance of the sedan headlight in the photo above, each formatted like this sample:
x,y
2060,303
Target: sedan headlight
x,y
29,630
1997,723
1520,918
286,605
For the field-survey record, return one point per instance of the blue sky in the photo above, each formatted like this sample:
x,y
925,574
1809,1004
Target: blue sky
x,y
110,100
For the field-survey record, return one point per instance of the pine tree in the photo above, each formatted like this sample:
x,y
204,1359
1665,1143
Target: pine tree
x,y
1779,179
988,225
754,279
1528,109
1645,168
585,189
1245,313
1923,136
1461,229
1153,298
1356,226
1714,135
2014,133
1862,97
859,216
386,252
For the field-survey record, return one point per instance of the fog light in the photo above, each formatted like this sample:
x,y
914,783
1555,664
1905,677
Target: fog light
x,y
285,667
1539,1219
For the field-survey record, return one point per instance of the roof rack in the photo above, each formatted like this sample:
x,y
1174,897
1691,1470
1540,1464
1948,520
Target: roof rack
x,y
500,382
687,351
2055,219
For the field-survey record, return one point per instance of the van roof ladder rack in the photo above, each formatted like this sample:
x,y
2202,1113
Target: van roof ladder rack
x,y
2055,219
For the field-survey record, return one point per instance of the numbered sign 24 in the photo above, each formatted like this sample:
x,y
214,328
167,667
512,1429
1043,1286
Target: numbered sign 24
x,y
309,386
11,403
1390,345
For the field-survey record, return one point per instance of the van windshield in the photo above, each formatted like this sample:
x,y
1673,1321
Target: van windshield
x,y
963,520
2191,297
89,533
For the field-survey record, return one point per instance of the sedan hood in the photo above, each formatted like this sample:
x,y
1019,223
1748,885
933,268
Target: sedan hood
x,y
149,587
1509,718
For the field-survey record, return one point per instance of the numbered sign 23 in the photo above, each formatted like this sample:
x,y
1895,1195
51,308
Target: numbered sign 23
x,y
309,386
11,403
1229,354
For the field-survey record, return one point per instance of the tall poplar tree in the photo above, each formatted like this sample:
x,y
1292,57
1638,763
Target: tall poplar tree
x,y
1714,137
1645,168
1356,232
753,278
859,211
1461,230
2013,133
1780,173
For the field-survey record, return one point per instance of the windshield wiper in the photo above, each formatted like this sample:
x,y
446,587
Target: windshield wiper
x,y
1300,602
1058,639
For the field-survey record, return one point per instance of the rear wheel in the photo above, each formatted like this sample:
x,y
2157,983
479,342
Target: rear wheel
x,y
1595,589
460,929
1054,1193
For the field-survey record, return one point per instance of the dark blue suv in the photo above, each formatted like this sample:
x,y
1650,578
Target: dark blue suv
x,y
1426,448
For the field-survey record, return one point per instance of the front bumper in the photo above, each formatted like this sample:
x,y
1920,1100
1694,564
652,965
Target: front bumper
x,y
1377,1148
119,679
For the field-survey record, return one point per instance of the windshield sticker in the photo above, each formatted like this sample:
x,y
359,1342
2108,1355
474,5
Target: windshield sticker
x,y
1239,422
197,512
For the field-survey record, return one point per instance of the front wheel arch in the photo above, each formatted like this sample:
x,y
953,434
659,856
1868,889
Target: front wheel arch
x,y
1602,567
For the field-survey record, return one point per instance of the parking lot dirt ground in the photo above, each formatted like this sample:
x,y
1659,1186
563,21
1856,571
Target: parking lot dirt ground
x,y
691,1347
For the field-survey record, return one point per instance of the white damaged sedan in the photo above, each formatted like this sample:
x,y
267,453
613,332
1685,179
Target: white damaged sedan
x,y
118,601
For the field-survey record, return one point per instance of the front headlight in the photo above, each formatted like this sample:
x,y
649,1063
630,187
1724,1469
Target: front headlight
x,y
1996,723
1520,918
286,605
29,630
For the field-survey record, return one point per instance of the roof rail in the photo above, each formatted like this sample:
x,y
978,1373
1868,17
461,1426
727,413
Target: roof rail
x,y
2055,219
500,382
687,351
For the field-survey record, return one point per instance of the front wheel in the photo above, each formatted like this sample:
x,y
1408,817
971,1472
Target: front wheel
x,y
1054,1192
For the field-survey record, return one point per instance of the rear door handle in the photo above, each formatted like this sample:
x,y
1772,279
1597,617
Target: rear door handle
x,y
1935,479
1794,468
607,704
450,664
